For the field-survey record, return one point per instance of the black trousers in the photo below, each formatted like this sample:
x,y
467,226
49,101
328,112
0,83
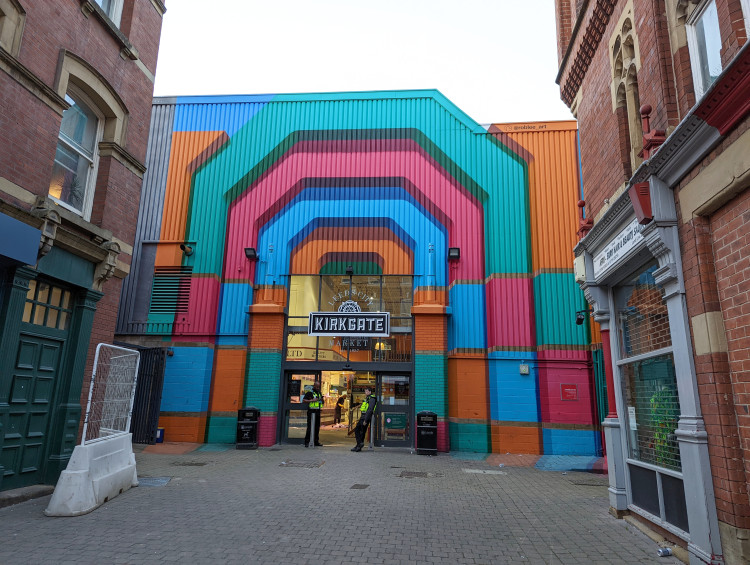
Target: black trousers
x,y
360,431
309,425
337,415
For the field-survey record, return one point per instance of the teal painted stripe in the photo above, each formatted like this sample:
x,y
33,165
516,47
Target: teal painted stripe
x,y
221,430
476,159
431,384
474,438
262,380
557,298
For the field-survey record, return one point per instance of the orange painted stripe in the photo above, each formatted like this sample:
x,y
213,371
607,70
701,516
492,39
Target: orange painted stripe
x,y
184,428
307,258
468,394
228,382
509,439
187,146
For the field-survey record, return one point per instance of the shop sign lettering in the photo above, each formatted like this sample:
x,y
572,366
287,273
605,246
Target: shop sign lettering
x,y
616,249
364,324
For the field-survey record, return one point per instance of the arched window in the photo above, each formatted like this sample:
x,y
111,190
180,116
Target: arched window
x,y
96,114
76,158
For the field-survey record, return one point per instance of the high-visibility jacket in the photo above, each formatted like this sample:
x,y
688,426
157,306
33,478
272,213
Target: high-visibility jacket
x,y
317,403
364,407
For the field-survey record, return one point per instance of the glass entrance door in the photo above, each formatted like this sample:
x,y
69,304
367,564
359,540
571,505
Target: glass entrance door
x,y
294,423
394,411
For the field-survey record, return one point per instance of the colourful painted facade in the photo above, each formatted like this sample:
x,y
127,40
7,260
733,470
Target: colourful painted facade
x,y
386,183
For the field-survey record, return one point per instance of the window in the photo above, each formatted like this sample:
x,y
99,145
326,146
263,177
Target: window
x,y
74,170
647,368
48,305
113,9
12,18
704,42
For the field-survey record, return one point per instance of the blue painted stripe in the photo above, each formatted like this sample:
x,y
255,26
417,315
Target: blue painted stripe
x,y
467,324
570,442
514,397
187,380
234,301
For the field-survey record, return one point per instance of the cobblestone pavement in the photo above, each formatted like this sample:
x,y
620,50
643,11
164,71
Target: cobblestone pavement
x,y
289,504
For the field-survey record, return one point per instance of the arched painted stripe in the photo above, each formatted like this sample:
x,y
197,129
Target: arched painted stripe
x,y
357,247
466,229
330,260
294,226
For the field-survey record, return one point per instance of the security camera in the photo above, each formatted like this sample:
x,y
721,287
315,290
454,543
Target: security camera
x,y
186,249
580,318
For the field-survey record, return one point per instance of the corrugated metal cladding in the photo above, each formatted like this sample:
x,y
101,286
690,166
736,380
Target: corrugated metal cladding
x,y
384,181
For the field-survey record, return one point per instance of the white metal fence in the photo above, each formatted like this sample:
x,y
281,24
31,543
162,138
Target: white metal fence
x,y
111,393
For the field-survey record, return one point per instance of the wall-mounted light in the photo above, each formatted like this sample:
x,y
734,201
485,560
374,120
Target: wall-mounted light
x,y
251,253
454,253
581,316
186,249
349,270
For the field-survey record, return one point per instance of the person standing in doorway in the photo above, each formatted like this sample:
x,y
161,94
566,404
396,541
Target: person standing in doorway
x,y
366,407
338,408
314,401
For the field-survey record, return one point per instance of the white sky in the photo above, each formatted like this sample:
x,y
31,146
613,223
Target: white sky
x,y
495,59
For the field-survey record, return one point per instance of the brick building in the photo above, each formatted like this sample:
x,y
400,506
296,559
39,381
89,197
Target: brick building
x,y
76,85
661,91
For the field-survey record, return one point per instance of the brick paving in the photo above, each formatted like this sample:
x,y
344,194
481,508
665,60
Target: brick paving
x,y
289,504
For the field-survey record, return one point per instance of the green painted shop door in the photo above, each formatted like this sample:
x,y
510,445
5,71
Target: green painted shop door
x,y
36,377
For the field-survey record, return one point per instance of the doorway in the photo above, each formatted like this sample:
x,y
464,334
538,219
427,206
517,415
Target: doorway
x,y
392,419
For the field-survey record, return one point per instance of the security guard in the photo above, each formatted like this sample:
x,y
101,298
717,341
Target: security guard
x,y
314,401
367,406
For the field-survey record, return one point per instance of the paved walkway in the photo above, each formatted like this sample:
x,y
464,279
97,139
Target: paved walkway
x,y
288,504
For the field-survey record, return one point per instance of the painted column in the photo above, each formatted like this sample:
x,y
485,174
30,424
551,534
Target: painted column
x,y
263,366
662,238
599,300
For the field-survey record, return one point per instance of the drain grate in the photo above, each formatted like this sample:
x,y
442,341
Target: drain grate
x,y
418,475
190,463
484,472
153,481
303,464
592,482
359,486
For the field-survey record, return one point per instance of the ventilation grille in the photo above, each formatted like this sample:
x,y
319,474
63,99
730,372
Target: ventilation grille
x,y
170,292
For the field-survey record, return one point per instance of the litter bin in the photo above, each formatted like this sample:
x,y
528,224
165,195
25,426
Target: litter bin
x,y
426,433
247,428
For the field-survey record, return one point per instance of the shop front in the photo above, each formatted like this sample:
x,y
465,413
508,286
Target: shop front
x,y
346,333
657,445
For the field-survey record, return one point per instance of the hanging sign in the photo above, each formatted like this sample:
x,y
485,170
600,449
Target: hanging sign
x,y
365,324
616,249
349,321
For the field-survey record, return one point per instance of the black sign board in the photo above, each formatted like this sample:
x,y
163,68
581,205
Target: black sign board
x,y
366,324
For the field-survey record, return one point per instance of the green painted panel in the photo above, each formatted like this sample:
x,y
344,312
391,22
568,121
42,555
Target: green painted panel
x,y
557,298
474,438
65,266
221,430
262,380
431,384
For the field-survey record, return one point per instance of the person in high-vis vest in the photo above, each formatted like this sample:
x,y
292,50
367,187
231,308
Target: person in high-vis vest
x,y
314,401
366,407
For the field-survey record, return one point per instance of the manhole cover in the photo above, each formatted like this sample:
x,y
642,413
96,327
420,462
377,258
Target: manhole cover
x,y
153,481
418,475
359,486
303,464
190,463
275,449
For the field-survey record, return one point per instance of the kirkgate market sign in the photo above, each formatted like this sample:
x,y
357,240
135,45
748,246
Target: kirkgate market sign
x,y
349,321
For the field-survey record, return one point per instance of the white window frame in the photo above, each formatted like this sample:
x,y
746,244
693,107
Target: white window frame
x,y
90,186
115,10
694,47
746,14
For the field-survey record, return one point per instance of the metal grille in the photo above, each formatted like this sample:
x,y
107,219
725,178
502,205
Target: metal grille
x,y
111,393
653,409
170,292
643,317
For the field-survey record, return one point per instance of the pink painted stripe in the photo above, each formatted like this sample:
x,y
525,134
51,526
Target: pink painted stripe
x,y
510,315
466,227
